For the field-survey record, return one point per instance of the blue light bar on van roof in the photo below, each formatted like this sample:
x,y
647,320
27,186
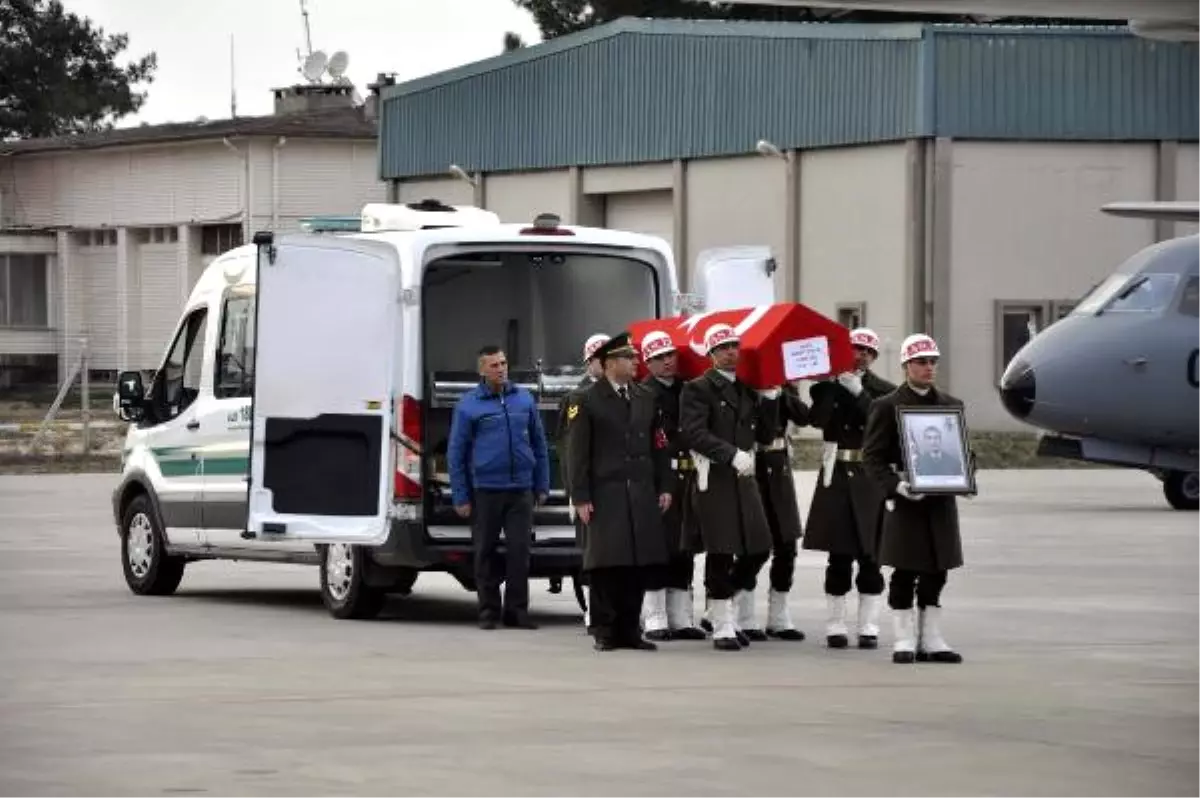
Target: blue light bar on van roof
x,y
331,224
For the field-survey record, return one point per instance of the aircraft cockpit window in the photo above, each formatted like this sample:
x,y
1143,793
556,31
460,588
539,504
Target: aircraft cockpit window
x,y
1098,297
1145,293
1189,302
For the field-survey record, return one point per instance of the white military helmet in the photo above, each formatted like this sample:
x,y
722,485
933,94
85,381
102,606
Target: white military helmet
x,y
918,345
592,344
865,337
655,344
719,334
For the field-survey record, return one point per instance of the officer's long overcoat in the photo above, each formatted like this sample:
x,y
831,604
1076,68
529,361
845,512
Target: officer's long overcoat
x,y
922,535
719,418
619,463
776,480
844,517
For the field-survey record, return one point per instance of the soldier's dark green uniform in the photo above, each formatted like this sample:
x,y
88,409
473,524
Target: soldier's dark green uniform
x,y
619,466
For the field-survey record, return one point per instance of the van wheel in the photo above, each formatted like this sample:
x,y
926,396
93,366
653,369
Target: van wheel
x,y
343,586
149,570
1182,489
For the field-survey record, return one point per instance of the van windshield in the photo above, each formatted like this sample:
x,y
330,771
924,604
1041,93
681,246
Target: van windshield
x,y
537,306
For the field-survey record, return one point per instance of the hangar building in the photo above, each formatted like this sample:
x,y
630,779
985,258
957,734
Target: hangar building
x,y
917,177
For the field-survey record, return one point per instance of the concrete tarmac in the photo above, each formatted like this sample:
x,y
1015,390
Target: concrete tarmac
x,y
1076,614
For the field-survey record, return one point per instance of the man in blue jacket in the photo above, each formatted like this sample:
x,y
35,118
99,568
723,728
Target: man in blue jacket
x,y
499,468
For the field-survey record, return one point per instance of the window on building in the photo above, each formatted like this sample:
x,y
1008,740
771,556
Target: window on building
x,y
1061,308
24,291
852,314
235,351
217,239
1016,324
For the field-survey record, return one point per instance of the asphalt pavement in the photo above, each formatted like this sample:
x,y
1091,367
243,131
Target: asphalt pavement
x,y
1076,614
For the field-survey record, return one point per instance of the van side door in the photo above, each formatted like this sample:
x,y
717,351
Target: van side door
x,y
225,421
172,457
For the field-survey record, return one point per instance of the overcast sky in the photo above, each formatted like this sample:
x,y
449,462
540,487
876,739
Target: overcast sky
x,y
192,39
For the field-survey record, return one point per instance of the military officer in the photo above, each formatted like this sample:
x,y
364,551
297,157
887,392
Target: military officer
x,y
777,484
594,372
843,518
722,421
920,535
669,609
620,488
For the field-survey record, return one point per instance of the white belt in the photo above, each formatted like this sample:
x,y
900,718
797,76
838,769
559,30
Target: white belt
x,y
777,445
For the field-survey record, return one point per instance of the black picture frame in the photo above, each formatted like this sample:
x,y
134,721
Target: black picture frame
x,y
936,448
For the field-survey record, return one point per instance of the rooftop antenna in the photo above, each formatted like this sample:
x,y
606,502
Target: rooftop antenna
x,y
307,30
232,81
337,66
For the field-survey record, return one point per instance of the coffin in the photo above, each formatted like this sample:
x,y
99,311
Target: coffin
x,y
780,343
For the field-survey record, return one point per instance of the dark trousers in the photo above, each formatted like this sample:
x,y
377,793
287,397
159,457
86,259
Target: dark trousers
x,y
840,569
510,511
616,603
926,586
783,565
725,574
675,574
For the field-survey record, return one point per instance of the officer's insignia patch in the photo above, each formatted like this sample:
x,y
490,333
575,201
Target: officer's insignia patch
x,y
660,439
572,411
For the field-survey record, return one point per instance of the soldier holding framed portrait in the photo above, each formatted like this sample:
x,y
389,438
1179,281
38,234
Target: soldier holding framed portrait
x,y
920,536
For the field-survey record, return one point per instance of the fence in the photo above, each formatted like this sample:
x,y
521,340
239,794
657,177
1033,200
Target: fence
x,y
69,424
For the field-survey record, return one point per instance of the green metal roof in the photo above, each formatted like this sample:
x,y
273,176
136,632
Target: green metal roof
x,y
647,90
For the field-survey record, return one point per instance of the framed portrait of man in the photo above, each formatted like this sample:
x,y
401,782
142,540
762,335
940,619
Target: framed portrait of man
x,y
936,450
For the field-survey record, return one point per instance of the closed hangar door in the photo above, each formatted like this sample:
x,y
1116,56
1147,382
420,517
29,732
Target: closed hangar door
x,y
649,212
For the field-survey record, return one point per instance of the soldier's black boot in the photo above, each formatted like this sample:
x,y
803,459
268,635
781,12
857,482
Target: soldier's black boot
x,y
869,607
931,647
836,635
724,634
680,614
654,614
905,645
779,618
743,620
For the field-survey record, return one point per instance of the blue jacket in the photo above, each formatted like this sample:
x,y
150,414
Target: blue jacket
x,y
497,442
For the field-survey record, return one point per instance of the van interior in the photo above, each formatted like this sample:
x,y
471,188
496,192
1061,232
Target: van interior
x,y
540,307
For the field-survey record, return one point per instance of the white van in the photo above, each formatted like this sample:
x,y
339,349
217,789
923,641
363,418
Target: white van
x,y
302,411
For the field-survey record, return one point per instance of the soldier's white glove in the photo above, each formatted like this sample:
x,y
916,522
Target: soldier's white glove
x,y
769,393
744,463
903,489
702,466
828,459
851,381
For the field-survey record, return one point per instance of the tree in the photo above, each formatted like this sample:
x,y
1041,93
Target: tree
x,y
60,73
513,41
560,17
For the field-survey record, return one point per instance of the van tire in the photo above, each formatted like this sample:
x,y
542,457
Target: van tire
x,y
344,589
1180,489
149,569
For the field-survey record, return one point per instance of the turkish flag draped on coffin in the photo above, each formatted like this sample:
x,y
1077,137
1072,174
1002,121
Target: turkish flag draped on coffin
x,y
781,342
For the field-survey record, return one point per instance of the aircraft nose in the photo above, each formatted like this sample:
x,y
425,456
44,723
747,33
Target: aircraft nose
x,y
1018,389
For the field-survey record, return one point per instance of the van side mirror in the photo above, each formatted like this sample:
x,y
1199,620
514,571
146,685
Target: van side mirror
x,y
131,396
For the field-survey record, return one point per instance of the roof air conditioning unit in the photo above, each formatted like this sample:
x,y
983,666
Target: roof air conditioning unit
x,y
428,214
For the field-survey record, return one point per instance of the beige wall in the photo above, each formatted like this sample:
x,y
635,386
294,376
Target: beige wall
x,y
1027,225
1187,182
521,197
736,201
449,190
853,239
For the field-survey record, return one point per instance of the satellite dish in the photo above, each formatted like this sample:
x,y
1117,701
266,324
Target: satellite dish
x,y
314,66
338,63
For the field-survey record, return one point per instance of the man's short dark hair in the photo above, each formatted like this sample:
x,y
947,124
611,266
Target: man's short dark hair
x,y
490,349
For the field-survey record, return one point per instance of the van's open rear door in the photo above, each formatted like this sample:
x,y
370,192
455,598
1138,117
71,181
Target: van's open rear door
x,y
327,326
736,277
